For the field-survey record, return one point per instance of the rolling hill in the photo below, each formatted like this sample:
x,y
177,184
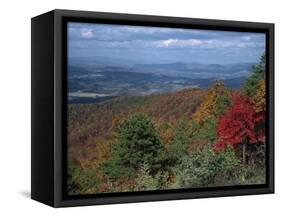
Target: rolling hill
x,y
91,85
88,123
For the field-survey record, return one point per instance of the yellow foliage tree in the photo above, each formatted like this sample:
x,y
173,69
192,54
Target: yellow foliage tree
x,y
259,97
215,101
102,150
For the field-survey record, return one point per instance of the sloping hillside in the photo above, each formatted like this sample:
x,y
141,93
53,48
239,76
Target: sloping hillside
x,y
88,123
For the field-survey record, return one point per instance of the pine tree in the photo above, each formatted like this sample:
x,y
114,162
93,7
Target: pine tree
x,y
252,82
137,143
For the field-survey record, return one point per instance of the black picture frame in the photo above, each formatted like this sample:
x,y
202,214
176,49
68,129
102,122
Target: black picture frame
x,y
49,103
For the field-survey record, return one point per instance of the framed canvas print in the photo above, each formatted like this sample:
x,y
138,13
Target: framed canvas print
x,y
131,108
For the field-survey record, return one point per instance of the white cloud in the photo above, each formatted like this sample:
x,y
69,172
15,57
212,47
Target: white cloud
x,y
149,30
213,43
177,43
232,44
87,33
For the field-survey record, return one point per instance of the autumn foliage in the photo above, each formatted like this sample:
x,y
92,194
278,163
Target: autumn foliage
x,y
185,139
259,97
238,124
214,102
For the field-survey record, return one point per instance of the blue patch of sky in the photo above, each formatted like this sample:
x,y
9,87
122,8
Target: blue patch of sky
x,y
139,44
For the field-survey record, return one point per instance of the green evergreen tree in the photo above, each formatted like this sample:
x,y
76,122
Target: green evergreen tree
x,y
252,82
137,143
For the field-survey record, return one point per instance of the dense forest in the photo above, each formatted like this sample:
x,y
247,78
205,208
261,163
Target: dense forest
x,y
186,139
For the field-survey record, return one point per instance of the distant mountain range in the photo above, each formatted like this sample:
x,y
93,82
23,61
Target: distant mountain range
x,y
197,70
185,69
94,82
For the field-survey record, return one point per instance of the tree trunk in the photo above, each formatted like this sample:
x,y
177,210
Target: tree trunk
x,y
244,153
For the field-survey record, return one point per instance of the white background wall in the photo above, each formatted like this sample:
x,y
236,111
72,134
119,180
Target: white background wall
x,y
15,106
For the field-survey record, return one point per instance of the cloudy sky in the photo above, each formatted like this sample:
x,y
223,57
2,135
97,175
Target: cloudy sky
x,y
163,45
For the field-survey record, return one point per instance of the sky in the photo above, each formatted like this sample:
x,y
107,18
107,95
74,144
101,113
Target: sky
x,y
163,45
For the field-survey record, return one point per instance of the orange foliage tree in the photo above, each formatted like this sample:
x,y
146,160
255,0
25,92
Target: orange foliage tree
x,y
215,101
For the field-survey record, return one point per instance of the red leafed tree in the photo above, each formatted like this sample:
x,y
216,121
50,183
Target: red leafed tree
x,y
240,125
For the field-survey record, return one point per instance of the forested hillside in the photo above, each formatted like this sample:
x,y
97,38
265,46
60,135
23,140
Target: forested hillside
x,y
185,139
90,123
